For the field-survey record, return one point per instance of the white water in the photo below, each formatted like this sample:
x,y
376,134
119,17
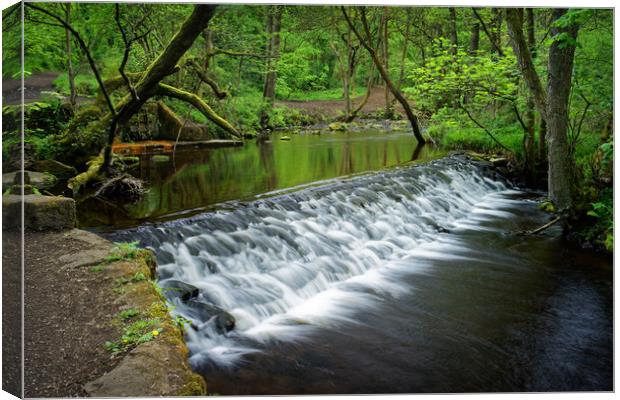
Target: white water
x,y
286,265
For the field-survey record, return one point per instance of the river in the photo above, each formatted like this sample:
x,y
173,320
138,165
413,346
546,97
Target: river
x,y
408,279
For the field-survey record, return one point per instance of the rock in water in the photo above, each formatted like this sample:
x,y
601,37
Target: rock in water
x,y
285,138
337,126
175,288
224,321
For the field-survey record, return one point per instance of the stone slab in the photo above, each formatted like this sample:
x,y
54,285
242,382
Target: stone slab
x,y
40,212
40,180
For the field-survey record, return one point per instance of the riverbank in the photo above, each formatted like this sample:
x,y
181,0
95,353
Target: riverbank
x,y
95,322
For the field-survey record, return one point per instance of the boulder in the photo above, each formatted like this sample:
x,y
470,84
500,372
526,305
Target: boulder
x,y
224,321
56,168
175,288
40,212
337,126
40,180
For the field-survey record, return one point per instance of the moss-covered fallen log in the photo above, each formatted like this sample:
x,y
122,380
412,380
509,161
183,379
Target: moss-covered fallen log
x,y
200,104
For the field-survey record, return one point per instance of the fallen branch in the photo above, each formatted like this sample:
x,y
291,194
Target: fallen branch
x,y
484,128
545,226
193,99
220,94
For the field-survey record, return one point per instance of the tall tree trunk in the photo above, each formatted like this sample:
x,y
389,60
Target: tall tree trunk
x,y
70,72
348,72
386,58
490,35
561,57
454,41
552,104
274,19
530,119
413,120
542,138
497,32
403,55
475,38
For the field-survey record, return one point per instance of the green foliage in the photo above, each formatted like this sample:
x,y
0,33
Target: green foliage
x,y
602,213
85,84
448,79
182,322
123,251
128,313
326,94
138,332
547,206
96,268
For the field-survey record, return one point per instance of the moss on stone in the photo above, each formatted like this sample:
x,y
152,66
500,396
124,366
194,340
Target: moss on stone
x,y
143,295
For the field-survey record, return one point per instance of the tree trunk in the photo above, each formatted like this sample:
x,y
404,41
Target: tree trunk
x,y
560,67
70,72
273,29
403,55
413,120
542,141
348,72
454,41
514,20
274,19
386,59
475,38
163,66
497,34
490,35
552,104
530,119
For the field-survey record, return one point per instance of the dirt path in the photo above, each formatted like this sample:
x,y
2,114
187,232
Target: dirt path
x,y
68,314
33,86
11,314
333,108
41,82
73,296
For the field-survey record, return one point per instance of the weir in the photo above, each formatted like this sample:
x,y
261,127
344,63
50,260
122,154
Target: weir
x,y
281,265
412,279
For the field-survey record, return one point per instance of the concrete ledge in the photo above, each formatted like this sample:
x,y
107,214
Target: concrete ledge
x,y
155,368
40,212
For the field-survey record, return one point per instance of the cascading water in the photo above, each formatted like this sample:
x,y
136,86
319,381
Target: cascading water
x,y
408,280
279,267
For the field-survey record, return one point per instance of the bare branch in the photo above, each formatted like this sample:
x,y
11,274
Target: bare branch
x,y
483,128
127,42
486,32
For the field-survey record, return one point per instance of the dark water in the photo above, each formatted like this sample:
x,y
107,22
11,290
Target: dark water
x,y
403,281
198,179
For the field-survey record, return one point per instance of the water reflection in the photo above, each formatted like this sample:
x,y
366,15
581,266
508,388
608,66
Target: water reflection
x,y
197,179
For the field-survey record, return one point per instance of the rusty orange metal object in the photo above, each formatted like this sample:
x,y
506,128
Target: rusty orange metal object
x,y
145,147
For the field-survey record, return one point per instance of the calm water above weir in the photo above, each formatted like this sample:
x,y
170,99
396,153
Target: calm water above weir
x,y
413,279
196,180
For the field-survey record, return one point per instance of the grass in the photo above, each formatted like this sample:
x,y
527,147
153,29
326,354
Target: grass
x,y
86,85
123,251
135,333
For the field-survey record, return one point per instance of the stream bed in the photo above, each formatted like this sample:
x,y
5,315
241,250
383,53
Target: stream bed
x,y
404,280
